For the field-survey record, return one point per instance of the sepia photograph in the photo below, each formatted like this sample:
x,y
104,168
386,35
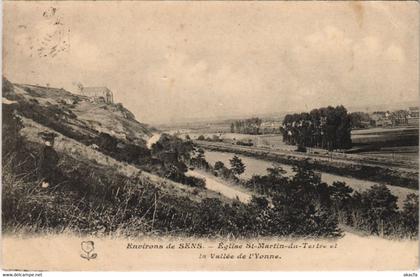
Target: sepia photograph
x,y
210,136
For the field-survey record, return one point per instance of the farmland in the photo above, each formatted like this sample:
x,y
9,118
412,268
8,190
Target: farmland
x,y
386,137
393,144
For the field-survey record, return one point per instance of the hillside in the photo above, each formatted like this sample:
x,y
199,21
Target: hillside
x,y
80,114
107,179
105,135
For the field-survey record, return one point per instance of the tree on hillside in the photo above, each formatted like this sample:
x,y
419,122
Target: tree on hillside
x,y
410,214
340,193
375,209
173,154
237,166
219,165
199,159
276,171
301,205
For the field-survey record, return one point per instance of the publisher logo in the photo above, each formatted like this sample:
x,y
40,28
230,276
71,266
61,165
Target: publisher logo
x,y
87,248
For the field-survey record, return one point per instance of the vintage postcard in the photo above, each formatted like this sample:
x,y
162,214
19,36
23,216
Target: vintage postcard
x,y
210,136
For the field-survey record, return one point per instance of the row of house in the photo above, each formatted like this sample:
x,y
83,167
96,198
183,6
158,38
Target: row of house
x,y
270,127
408,117
413,117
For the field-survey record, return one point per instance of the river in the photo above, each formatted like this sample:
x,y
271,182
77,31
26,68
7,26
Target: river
x,y
258,167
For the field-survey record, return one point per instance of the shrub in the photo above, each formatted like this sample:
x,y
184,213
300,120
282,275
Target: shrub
x,y
218,165
237,166
410,215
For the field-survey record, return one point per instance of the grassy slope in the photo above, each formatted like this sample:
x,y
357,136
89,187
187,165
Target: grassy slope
x,y
94,185
80,152
88,118
108,118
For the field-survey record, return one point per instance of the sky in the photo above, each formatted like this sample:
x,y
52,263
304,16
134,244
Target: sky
x,y
177,61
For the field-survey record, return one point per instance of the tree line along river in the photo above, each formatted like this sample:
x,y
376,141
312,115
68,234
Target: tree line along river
x,y
258,167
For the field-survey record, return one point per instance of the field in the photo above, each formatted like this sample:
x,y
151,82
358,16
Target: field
x,y
393,144
385,137
399,144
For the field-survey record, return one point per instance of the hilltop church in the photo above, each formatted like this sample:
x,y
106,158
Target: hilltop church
x,y
99,94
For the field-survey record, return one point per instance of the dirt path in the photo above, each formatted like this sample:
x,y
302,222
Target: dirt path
x,y
228,190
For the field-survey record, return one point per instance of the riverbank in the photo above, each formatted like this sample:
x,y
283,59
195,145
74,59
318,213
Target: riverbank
x,y
254,166
407,178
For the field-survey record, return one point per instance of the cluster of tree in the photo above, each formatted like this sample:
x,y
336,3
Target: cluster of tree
x,y
198,160
360,120
327,128
170,156
373,211
399,117
167,157
286,206
246,126
237,167
122,150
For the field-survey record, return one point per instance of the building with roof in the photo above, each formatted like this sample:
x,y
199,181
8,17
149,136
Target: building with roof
x,y
100,94
414,112
413,117
381,119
